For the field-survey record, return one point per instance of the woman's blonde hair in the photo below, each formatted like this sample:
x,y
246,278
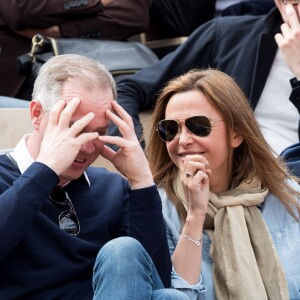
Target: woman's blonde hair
x,y
252,158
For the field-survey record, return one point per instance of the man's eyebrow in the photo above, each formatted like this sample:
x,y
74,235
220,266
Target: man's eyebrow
x,y
102,128
96,129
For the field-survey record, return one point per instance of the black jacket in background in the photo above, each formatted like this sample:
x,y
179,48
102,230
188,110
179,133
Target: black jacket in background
x,y
241,46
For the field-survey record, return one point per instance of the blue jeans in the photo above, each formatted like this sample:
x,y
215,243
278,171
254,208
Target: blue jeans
x,y
124,270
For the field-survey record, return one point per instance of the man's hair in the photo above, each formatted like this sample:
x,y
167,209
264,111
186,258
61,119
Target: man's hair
x,y
58,69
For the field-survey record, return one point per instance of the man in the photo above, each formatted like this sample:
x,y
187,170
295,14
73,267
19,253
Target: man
x,y
56,212
245,48
21,20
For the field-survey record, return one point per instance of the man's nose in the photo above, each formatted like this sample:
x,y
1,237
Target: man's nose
x,y
88,147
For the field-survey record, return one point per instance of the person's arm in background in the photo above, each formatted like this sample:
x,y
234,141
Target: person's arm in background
x,y
86,19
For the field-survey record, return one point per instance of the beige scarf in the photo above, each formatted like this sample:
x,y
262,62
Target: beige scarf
x,y
245,261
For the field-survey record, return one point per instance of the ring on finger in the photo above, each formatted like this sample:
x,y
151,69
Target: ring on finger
x,y
188,174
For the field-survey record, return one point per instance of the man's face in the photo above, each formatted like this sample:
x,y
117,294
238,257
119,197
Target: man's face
x,y
96,100
281,7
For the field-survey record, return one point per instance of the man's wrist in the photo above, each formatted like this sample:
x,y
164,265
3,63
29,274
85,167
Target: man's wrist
x,y
142,185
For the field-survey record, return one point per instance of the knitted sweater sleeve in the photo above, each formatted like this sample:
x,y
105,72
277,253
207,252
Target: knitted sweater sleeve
x,y
21,202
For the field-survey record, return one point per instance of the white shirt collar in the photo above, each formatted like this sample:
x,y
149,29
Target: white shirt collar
x,y
21,154
24,159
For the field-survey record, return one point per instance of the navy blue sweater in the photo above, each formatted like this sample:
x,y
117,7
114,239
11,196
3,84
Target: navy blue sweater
x,y
40,261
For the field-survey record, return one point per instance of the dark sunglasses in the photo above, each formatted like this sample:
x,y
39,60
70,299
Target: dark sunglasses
x,y
199,125
67,220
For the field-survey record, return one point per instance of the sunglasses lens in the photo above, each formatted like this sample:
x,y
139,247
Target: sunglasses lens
x,y
58,196
198,125
68,222
167,129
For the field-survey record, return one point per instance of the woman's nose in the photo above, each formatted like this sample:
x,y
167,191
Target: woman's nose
x,y
185,136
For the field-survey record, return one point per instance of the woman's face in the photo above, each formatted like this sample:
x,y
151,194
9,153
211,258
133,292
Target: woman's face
x,y
213,147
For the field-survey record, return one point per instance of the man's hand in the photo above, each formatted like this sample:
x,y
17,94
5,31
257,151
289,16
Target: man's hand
x,y
62,142
130,159
289,40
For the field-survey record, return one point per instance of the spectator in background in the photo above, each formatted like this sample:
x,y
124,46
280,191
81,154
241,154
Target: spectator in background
x,y
20,20
245,48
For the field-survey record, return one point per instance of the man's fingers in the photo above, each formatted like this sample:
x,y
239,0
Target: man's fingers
x,y
80,124
86,137
123,127
55,112
123,114
67,113
115,140
122,120
108,153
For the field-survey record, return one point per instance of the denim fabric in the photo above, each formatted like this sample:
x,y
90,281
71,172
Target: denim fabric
x,y
284,230
291,156
124,270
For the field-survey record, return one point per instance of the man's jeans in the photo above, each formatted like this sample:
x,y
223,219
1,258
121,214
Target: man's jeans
x,y
124,270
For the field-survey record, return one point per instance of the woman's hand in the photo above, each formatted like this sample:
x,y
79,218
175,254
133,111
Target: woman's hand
x,y
195,181
187,256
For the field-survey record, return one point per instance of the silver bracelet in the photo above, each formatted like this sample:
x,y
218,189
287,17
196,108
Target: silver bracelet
x,y
198,242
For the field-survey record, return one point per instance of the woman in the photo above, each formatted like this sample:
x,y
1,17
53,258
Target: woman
x,y
230,206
